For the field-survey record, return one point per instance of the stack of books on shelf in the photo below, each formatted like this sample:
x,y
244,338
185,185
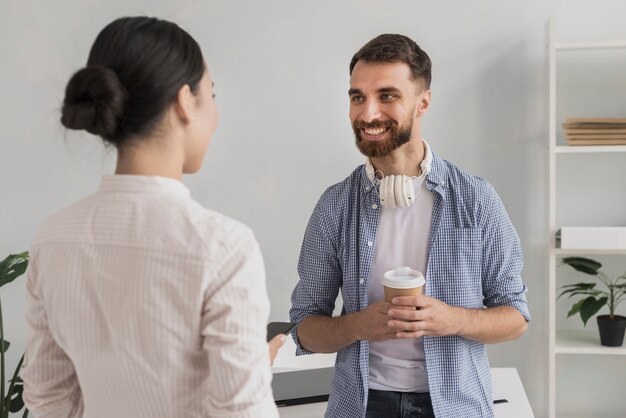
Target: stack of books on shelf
x,y
595,131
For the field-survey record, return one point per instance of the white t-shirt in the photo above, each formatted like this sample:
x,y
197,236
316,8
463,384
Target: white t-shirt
x,y
401,240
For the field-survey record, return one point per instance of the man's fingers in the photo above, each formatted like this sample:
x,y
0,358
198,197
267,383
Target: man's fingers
x,y
407,314
410,335
406,300
410,314
402,307
404,326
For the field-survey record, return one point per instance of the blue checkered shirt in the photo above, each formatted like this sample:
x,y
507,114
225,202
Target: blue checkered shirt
x,y
474,261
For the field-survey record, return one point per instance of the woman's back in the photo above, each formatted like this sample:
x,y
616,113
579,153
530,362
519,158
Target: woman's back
x,y
142,290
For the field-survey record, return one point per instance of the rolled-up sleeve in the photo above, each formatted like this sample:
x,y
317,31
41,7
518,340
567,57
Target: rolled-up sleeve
x,y
502,260
319,271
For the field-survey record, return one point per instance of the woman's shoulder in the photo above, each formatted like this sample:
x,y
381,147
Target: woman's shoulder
x,y
219,232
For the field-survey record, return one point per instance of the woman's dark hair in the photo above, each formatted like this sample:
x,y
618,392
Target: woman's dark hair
x,y
135,69
396,48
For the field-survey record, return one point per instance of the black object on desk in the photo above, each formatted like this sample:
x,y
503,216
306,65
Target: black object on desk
x,y
302,387
275,328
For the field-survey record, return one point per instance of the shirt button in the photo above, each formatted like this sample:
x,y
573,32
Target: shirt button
x,y
370,243
367,189
374,206
362,281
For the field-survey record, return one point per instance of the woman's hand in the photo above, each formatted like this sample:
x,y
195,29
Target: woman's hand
x,y
275,344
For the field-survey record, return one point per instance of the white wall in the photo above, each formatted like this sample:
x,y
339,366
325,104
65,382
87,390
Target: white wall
x,y
281,74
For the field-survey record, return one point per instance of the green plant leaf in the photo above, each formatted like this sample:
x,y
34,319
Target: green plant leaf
x,y
14,399
582,264
5,346
590,307
579,286
587,293
575,308
569,288
13,267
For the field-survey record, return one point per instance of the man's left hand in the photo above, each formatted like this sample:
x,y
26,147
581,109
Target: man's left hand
x,y
416,316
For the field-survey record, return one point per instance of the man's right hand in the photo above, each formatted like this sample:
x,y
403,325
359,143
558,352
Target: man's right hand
x,y
371,323
323,334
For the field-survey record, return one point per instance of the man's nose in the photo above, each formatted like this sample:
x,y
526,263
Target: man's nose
x,y
371,112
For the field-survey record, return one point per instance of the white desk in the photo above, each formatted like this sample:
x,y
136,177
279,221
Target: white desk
x,y
506,385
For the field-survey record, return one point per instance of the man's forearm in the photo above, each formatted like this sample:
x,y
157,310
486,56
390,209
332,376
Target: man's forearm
x,y
492,325
323,334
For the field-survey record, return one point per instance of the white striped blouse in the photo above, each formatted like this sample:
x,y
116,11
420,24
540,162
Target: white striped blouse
x,y
142,303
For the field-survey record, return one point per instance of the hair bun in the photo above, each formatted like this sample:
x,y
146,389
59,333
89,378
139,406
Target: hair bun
x,y
95,100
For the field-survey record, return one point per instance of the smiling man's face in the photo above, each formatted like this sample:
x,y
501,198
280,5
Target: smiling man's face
x,y
384,102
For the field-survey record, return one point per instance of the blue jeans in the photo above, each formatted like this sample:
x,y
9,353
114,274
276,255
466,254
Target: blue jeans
x,y
386,404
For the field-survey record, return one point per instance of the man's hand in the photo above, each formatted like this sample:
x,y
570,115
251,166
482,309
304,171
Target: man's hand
x,y
322,334
416,316
435,318
371,323
275,344
383,321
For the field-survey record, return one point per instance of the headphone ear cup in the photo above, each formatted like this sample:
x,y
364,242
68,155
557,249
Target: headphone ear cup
x,y
400,189
387,190
382,191
409,192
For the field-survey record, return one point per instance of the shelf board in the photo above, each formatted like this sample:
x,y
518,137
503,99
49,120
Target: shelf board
x,y
583,342
577,416
582,251
571,46
576,149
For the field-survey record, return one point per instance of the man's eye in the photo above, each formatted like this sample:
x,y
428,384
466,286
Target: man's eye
x,y
387,97
357,99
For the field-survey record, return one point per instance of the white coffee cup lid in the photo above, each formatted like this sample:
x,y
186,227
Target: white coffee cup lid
x,y
403,278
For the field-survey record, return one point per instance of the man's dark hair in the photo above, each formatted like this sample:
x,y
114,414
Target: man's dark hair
x,y
396,48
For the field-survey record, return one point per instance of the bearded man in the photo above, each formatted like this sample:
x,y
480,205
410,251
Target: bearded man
x,y
415,356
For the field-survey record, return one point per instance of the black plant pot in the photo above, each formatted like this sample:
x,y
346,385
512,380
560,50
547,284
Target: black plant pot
x,y
611,330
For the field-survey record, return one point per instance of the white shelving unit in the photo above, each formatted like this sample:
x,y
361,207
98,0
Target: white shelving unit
x,y
583,342
567,342
566,149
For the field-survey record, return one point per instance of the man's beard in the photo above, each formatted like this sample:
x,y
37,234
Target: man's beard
x,y
397,136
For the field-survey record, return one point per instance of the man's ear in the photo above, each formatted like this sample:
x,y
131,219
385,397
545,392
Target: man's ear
x,y
184,104
424,102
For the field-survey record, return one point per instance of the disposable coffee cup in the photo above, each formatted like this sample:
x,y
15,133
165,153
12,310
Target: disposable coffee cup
x,y
402,281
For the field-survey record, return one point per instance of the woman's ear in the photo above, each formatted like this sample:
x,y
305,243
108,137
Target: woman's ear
x,y
184,104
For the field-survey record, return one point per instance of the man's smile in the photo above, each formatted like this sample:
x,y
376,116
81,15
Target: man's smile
x,y
375,131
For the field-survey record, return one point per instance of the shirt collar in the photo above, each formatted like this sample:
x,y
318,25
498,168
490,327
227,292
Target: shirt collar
x,y
126,183
438,174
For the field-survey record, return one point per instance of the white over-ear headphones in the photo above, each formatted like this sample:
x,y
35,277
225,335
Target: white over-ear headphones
x,y
394,191
398,191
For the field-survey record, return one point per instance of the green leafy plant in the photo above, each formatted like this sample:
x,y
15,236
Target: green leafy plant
x,y
10,269
593,298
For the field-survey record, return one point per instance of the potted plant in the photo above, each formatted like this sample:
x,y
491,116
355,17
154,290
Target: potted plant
x,y
10,269
611,326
